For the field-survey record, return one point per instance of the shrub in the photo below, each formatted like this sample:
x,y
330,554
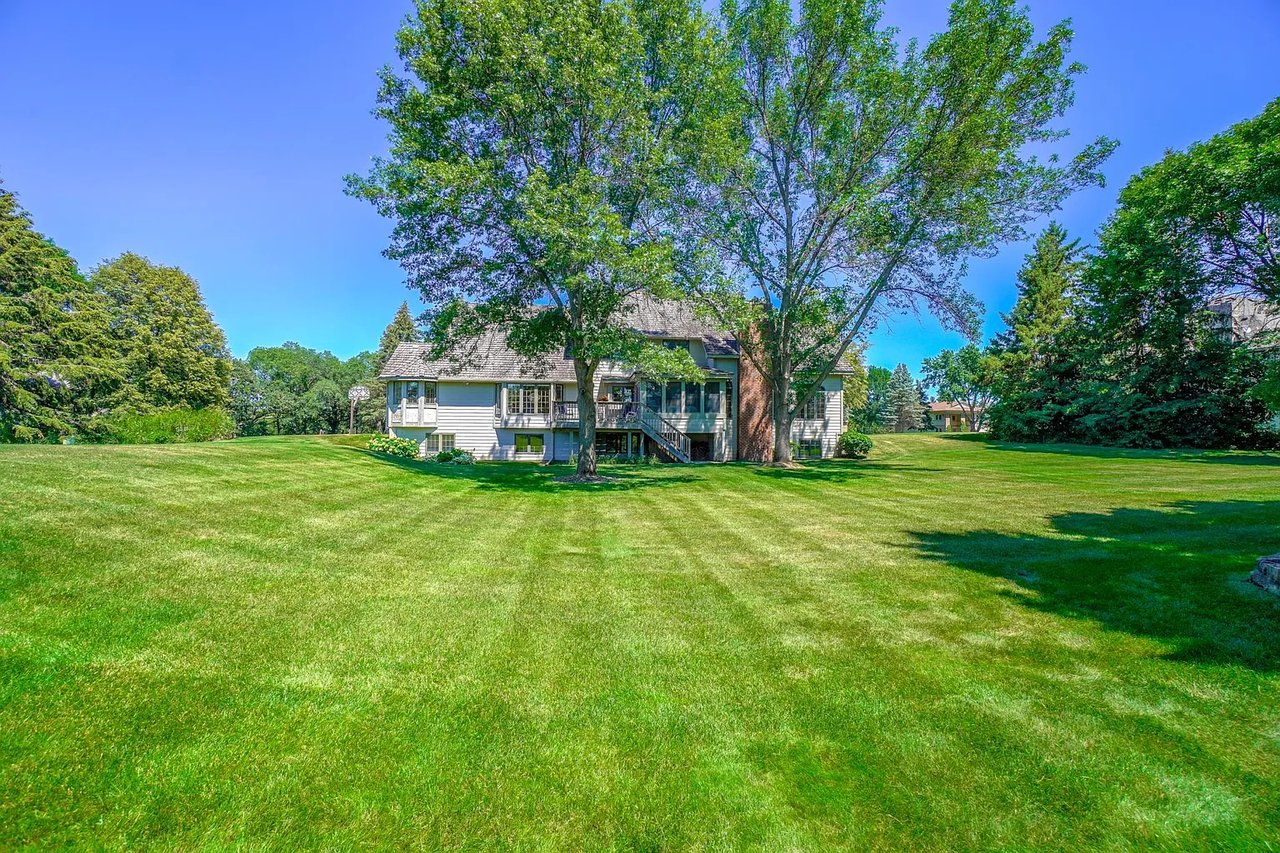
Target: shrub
x,y
455,456
174,425
406,447
854,445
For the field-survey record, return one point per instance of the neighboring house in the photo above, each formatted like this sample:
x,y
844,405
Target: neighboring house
x,y
499,405
1253,323
1240,319
946,416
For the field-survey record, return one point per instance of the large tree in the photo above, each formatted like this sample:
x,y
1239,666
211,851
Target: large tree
x,y
1222,197
874,169
172,352
1159,371
964,377
533,150
903,406
1037,358
57,363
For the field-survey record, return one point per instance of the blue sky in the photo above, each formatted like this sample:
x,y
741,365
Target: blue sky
x,y
215,137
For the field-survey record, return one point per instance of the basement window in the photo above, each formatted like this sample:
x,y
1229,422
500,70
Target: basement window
x,y
529,442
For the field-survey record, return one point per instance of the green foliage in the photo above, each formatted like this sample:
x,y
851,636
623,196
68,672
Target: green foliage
x,y
171,351
533,145
406,447
402,329
964,376
57,363
871,411
904,411
1217,204
291,389
1036,362
1159,373
1123,349
455,456
853,445
173,425
871,171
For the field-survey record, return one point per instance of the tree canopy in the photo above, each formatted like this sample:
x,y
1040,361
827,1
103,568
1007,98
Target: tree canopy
x,y
872,171
57,363
532,151
1128,346
171,351
964,377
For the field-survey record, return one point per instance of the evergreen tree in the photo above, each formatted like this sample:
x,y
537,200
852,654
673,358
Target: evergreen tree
x,y
1036,366
402,329
56,362
905,411
172,351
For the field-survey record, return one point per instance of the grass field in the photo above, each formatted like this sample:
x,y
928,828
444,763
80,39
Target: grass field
x,y
291,642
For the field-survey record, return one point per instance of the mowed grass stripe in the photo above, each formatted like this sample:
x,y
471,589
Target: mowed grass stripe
x,y
289,642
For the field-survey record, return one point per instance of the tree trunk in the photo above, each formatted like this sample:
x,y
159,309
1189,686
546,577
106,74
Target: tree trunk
x,y
585,375
781,436
781,420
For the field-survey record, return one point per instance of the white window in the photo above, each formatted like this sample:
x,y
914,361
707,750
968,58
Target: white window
x,y
528,399
429,393
438,441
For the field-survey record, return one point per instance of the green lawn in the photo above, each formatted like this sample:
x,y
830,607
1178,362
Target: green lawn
x,y
291,642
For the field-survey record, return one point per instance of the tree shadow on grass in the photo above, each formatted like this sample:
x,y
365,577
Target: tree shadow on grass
x,y
1217,457
1176,573
531,477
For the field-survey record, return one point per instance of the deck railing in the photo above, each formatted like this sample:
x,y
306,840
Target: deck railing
x,y
611,415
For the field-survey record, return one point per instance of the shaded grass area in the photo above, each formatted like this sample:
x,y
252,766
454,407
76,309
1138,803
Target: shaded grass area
x,y
290,642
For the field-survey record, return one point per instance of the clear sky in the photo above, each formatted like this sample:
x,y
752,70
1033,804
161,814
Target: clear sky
x,y
214,137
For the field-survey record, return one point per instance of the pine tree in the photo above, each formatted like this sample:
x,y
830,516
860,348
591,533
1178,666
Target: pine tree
x,y
57,365
905,411
401,329
1047,284
1036,360
173,352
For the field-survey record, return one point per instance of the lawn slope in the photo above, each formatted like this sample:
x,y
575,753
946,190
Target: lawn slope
x,y
290,642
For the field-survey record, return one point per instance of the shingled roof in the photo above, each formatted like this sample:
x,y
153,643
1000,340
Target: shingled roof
x,y
488,358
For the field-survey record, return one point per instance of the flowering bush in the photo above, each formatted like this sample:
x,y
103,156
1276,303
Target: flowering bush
x,y
455,456
406,447
854,445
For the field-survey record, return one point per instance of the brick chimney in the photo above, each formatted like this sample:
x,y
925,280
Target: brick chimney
x,y
755,415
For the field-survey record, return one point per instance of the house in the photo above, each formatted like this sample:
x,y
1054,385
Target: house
x,y
498,405
948,416
1241,319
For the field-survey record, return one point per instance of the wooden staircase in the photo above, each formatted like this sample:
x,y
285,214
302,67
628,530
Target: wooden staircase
x,y
673,441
